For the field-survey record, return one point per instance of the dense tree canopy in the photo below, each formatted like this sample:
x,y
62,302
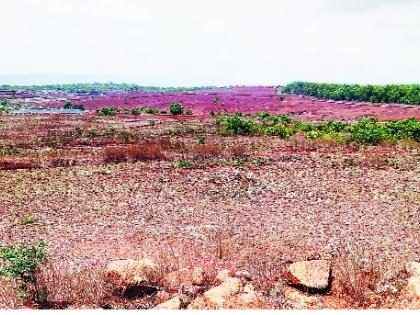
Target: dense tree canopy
x,y
392,93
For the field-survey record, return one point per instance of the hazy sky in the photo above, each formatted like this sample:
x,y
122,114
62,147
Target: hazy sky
x,y
210,42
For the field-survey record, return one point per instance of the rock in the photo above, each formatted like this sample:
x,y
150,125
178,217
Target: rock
x,y
243,274
313,275
198,276
222,275
299,300
172,304
219,294
174,280
249,288
413,269
131,272
161,296
413,286
248,298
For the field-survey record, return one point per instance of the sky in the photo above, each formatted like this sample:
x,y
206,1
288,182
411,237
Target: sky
x,y
209,42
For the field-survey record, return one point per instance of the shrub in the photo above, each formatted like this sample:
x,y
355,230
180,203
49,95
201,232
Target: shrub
x,y
176,109
184,163
9,151
21,262
107,111
115,155
236,125
201,140
146,152
27,219
189,112
207,151
216,100
367,131
70,105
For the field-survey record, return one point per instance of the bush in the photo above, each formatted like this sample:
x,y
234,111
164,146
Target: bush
x,y
21,262
107,111
236,125
201,140
145,110
70,105
176,109
146,152
184,163
189,112
115,155
367,131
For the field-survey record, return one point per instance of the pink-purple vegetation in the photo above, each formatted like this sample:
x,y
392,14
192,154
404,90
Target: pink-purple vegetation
x,y
247,100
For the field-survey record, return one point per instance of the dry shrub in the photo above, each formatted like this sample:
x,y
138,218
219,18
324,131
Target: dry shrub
x,y
115,155
61,162
237,151
358,277
146,152
81,288
207,151
10,165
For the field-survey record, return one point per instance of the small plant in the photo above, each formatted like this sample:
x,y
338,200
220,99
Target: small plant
x,y
107,111
236,125
189,112
201,140
176,109
27,219
9,151
152,122
70,105
184,163
21,262
216,100
115,155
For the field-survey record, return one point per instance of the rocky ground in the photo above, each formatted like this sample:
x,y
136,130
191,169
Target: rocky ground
x,y
284,201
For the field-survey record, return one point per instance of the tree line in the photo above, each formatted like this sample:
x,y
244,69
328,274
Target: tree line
x,y
391,93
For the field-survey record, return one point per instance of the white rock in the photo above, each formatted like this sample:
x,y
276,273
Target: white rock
x,y
312,275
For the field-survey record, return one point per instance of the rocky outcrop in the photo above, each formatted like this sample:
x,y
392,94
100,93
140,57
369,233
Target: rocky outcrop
x,y
132,272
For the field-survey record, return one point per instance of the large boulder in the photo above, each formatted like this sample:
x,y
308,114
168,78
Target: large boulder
x,y
219,294
132,272
313,275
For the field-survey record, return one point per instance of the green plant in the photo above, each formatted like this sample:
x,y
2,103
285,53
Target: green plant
x,y
201,140
107,111
9,151
189,112
27,219
236,125
176,109
184,163
21,262
367,131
